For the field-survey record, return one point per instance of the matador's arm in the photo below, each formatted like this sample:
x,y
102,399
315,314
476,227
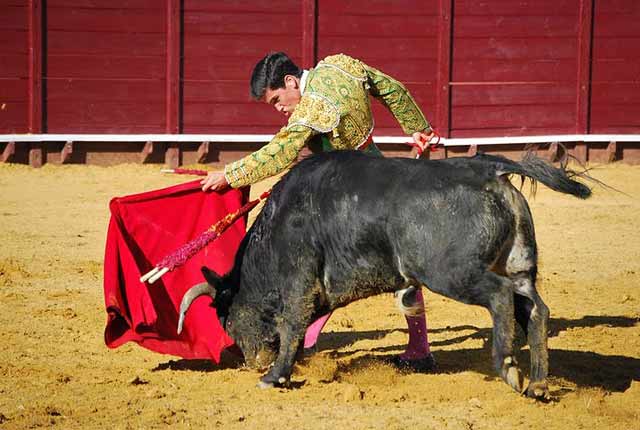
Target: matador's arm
x,y
313,115
395,96
269,160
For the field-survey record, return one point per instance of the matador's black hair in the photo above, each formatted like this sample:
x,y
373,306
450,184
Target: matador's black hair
x,y
270,73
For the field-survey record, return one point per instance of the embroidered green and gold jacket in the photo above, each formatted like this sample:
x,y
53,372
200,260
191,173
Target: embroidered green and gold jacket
x,y
334,103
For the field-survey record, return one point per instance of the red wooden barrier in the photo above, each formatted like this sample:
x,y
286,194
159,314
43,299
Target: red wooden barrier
x,y
490,68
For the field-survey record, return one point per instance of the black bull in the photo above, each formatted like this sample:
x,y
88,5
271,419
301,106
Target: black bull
x,y
344,226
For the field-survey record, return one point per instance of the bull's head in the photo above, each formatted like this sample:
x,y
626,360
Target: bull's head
x,y
240,318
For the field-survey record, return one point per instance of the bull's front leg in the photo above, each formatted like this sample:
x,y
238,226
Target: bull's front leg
x,y
296,315
280,373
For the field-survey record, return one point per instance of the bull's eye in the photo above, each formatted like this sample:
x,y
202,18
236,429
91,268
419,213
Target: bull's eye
x,y
228,323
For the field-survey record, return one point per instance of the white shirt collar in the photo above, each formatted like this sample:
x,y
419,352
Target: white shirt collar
x,y
303,81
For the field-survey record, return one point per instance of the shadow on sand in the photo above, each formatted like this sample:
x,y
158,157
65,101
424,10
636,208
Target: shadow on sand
x,y
585,369
230,358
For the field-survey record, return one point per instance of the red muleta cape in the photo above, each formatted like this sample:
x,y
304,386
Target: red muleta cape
x,y
143,229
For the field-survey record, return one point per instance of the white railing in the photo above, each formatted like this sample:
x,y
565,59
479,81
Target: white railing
x,y
258,138
205,140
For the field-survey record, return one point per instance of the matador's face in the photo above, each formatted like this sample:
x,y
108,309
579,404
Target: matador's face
x,y
284,100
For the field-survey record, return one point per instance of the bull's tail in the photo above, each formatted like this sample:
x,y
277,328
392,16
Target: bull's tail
x,y
192,294
557,178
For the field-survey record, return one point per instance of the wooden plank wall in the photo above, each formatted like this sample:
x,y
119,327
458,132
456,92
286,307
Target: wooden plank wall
x,y
478,68
14,67
222,43
514,67
399,38
615,98
105,66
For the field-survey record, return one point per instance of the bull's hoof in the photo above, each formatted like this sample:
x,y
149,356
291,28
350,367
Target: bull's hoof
x,y
539,390
265,385
421,365
270,381
511,374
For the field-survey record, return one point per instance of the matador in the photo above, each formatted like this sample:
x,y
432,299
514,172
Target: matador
x,y
328,109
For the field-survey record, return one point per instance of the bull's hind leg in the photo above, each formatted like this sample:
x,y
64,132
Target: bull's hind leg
x,y
533,315
495,293
530,311
501,308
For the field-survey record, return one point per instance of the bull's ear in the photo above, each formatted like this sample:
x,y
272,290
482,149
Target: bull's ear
x,y
212,277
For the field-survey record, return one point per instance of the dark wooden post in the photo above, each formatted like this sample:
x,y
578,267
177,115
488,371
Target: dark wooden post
x,y
173,120
35,79
585,32
443,96
309,33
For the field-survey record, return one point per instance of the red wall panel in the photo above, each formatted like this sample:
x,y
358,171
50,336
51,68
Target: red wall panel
x,y
507,68
398,38
223,41
105,66
615,92
512,109
507,8
14,67
514,67
102,4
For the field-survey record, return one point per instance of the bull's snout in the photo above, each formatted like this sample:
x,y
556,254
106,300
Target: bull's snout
x,y
261,360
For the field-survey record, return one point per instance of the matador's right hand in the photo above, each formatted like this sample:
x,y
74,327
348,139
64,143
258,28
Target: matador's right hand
x,y
215,181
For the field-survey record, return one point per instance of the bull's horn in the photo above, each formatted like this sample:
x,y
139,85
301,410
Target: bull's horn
x,y
192,294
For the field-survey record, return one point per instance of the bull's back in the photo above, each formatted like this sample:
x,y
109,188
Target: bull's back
x,y
363,225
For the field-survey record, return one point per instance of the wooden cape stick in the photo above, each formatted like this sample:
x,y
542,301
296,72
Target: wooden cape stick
x,y
188,250
181,255
185,172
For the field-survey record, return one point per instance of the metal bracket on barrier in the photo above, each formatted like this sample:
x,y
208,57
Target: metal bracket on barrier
x,y
612,151
147,150
203,152
9,151
66,152
172,155
552,152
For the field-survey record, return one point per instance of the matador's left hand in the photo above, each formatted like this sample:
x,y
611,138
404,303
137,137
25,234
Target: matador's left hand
x,y
423,140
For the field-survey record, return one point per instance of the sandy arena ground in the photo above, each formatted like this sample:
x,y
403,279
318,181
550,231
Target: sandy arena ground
x,y
55,370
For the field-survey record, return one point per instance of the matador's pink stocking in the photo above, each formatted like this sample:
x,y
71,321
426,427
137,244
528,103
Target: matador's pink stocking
x,y
418,346
311,337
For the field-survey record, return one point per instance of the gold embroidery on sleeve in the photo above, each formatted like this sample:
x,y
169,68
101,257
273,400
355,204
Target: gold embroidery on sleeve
x,y
315,111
